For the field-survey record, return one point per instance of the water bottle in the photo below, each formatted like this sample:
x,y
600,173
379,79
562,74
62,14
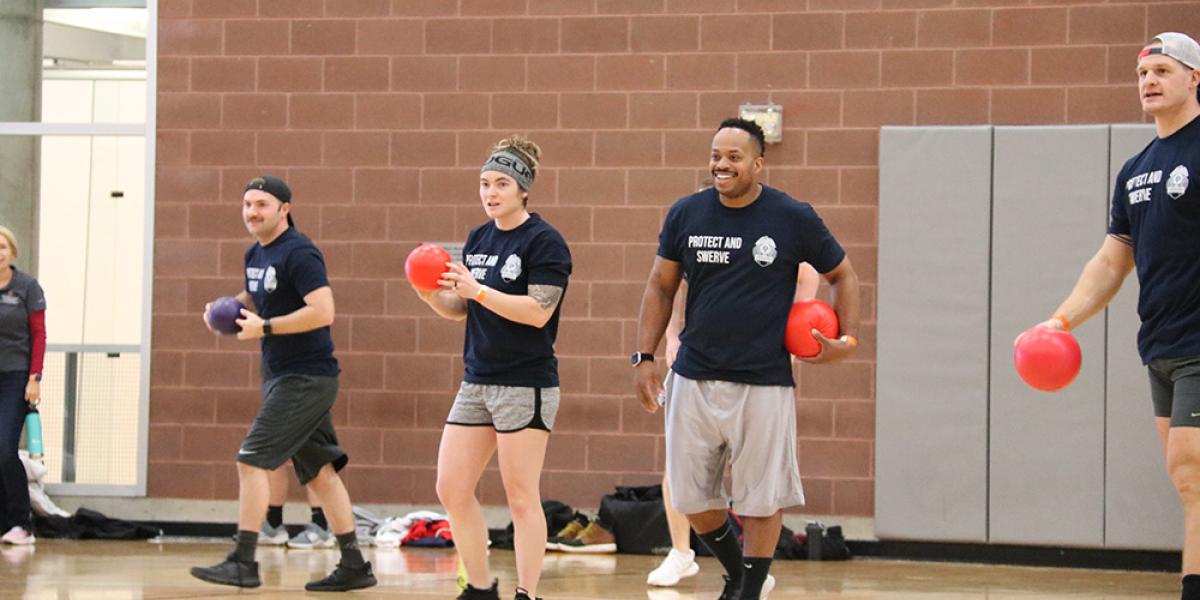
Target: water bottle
x,y
33,433
814,531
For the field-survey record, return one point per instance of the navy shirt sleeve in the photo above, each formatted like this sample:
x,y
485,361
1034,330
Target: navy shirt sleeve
x,y
306,270
549,260
668,237
821,249
1118,223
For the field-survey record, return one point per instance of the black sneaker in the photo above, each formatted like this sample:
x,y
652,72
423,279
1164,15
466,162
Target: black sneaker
x,y
230,572
733,589
344,579
522,594
474,593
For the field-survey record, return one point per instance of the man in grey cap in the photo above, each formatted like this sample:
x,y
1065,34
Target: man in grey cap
x,y
1155,228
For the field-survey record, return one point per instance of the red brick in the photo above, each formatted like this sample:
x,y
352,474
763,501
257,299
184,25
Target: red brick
x,y
491,73
387,111
660,187
875,108
425,74
214,221
383,334
291,8
1171,17
320,111
595,262
358,74
1059,66
323,37
851,224
835,458
361,222
1103,104
613,224
456,111
688,148
807,31
595,34
436,335
766,5
561,7
179,480
854,497
630,72
700,6
390,36
188,185
174,9
581,490
574,222
591,187
855,420
635,419
854,69
289,148
356,149
256,37
174,74
254,111
593,111
1107,25
773,70
237,407
358,8
189,111
991,66
419,373
881,30
222,148
622,453
742,33
560,73
387,410
386,186
662,111
458,36
492,7
223,8
1122,64
233,183
189,37
1029,26
629,148
953,28
843,147
165,442
817,186
411,448
859,186
803,109
232,370
665,34
223,74
183,405
952,107
918,68
361,371
814,418
290,74
425,8
166,367
526,36
566,452
559,149
450,186
625,7
358,297
423,148
700,71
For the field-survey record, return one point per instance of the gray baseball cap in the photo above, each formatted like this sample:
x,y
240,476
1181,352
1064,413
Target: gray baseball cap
x,y
1176,45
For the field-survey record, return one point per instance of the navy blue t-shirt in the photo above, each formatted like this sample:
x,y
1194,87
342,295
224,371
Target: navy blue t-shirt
x,y
1156,203
741,266
498,351
278,277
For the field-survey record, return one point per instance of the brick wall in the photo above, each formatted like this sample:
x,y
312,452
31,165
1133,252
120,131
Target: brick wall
x,y
380,112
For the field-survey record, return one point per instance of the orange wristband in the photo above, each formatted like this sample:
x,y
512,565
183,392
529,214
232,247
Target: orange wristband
x,y
1063,320
481,293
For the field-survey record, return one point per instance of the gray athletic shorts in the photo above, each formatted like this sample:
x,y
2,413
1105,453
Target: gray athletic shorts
x,y
1175,390
294,422
714,423
505,408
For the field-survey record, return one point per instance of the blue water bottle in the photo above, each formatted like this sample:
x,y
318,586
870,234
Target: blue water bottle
x,y
33,433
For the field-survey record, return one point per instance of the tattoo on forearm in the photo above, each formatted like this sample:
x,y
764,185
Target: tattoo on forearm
x,y
546,296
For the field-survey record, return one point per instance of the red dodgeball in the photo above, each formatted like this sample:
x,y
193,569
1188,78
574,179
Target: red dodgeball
x,y
425,265
805,316
1047,359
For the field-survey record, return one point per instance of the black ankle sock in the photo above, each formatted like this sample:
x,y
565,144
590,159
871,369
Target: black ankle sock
x,y
247,542
755,574
318,517
348,544
723,543
274,516
1191,587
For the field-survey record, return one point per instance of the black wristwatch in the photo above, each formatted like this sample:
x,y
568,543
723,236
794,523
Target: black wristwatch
x,y
266,327
639,357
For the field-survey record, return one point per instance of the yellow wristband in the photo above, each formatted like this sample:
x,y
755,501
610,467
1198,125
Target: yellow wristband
x,y
1063,320
481,293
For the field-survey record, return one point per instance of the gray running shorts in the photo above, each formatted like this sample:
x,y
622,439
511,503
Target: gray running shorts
x,y
294,423
505,408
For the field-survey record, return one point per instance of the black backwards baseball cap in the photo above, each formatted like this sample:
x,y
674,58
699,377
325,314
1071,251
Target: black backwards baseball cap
x,y
273,186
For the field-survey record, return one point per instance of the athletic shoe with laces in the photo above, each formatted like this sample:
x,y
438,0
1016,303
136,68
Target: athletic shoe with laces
x,y
18,536
473,593
344,579
677,565
733,588
272,536
569,532
522,594
313,536
594,539
230,572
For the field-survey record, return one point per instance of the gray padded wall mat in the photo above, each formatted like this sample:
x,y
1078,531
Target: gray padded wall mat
x,y
1046,450
931,399
1141,507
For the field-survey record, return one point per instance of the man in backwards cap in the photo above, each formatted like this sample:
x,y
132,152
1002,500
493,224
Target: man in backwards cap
x,y
285,278
1155,227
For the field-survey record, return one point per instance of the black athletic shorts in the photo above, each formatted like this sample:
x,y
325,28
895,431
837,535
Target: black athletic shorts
x,y
295,422
1175,390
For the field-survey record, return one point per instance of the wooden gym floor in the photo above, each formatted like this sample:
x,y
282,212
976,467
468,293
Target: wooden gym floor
x,y
88,570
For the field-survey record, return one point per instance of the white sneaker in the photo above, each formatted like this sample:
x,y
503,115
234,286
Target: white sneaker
x,y
768,585
313,536
272,536
677,565
18,536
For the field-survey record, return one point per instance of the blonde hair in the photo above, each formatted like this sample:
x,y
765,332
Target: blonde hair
x,y
531,152
12,239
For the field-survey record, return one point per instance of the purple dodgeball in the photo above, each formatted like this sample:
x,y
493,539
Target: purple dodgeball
x,y
223,314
